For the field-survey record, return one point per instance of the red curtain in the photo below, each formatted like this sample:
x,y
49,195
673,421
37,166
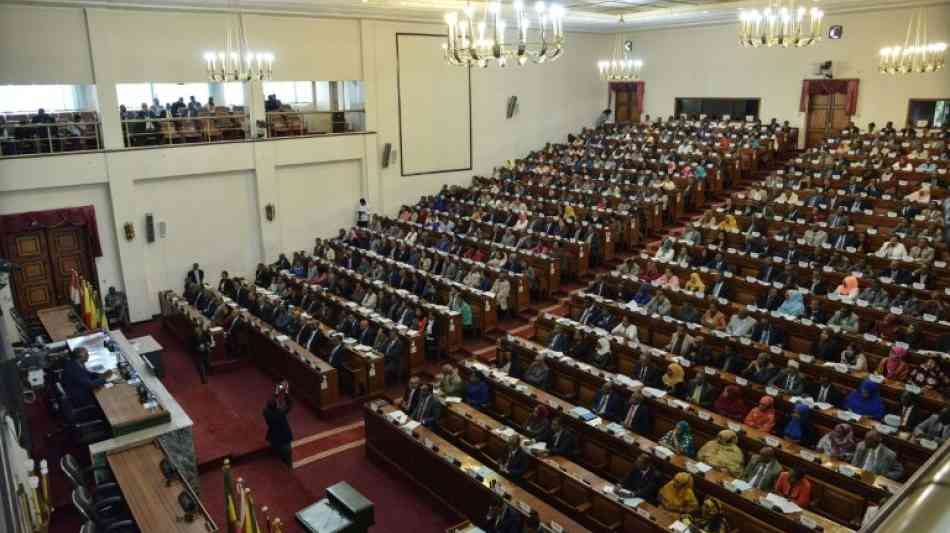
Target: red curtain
x,y
847,87
637,87
54,218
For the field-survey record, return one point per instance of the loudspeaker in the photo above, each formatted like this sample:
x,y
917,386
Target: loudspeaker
x,y
512,107
387,153
149,228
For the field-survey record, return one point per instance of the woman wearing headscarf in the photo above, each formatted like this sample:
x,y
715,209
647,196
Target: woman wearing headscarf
x,y
711,519
866,400
643,296
895,366
838,443
729,223
848,288
730,403
695,283
762,416
674,380
679,439
798,429
677,496
723,453
794,304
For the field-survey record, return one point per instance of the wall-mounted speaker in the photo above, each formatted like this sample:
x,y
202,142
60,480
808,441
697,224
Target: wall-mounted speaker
x,y
512,107
387,154
149,228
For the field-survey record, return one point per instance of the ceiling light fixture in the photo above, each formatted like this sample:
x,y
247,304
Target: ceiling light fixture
x,y
477,37
784,23
917,57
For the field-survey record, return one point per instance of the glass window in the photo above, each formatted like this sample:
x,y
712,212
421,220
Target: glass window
x,y
171,92
353,95
233,93
290,92
133,95
29,98
323,95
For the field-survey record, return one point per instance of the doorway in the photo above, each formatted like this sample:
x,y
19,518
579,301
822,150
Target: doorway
x,y
827,116
625,107
46,258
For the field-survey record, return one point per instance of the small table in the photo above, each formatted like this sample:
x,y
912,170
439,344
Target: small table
x,y
124,412
61,322
151,352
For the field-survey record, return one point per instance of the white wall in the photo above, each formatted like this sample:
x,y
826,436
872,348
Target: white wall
x,y
708,62
315,199
43,45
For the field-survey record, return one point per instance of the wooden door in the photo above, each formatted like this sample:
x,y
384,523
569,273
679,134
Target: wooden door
x,y
624,103
827,116
33,284
68,251
47,258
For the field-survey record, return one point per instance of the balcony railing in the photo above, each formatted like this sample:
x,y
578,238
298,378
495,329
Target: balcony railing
x,y
20,137
204,128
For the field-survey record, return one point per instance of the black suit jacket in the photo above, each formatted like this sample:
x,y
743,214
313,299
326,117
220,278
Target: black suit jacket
x,y
564,443
192,278
834,397
650,376
642,422
642,483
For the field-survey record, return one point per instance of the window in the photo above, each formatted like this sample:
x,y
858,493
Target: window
x,y
716,108
29,98
353,95
233,94
936,113
133,95
171,92
295,93
323,96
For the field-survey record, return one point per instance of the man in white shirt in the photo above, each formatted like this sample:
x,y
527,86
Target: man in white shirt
x,y
362,214
740,325
892,249
626,330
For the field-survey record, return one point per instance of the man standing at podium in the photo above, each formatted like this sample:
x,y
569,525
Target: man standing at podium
x,y
279,434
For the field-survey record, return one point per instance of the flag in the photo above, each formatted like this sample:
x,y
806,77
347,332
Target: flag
x,y
252,525
74,287
86,304
229,499
103,321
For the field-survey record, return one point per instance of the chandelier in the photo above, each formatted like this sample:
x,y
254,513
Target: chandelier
x,y
620,67
784,23
918,57
477,35
236,62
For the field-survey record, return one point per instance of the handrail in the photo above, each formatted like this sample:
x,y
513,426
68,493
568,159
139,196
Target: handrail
x,y
56,138
209,128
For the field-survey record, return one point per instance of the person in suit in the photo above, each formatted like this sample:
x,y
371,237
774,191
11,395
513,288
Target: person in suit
x,y
839,219
503,518
560,341
773,273
337,355
561,440
910,412
514,460
476,391
639,416
817,285
844,240
195,275
608,403
761,370
308,336
393,356
643,480
78,383
700,392
408,401
681,342
660,304
538,373
763,469
823,390
426,409
645,372
538,426
789,380
873,456
279,435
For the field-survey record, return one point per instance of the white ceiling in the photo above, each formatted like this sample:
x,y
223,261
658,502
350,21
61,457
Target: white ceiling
x,y
601,16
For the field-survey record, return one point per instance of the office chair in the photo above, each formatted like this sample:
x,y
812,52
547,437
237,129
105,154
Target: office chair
x,y
106,514
84,423
77,475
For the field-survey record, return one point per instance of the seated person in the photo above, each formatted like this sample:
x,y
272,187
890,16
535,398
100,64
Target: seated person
x,y
794,304
561,439
514,460
659,304
823,390
645,372
700,391
713,318
78,383
789,380
866,400
873,456
426,406
643,479
673,380
711,519
768,333
895,366
838,443
603,357
761,370
679,439
741,325
723,453
626,329
799,429
762,416
639,417
538,373
935,428
608,403
117,307
794,486
538,425
476,391
681,342
763,470
677,496
731,404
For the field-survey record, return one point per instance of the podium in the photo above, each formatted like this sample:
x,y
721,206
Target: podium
x,y
344,510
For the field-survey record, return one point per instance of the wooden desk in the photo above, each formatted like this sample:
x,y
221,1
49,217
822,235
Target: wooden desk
x,y
184,321
448,473
153,504
124,412
61,322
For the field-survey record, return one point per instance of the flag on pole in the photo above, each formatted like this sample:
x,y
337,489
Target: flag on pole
x,y
86,304
74,287
229,499
251,514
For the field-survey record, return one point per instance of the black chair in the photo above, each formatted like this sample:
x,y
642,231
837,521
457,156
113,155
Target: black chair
x,y
126,526
80,477
109,514
84,424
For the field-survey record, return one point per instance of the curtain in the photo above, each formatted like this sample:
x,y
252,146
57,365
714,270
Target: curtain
x,y
84,216
846,87
641,87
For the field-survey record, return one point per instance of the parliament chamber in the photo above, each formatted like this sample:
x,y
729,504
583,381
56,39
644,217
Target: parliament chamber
x,y
450,266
